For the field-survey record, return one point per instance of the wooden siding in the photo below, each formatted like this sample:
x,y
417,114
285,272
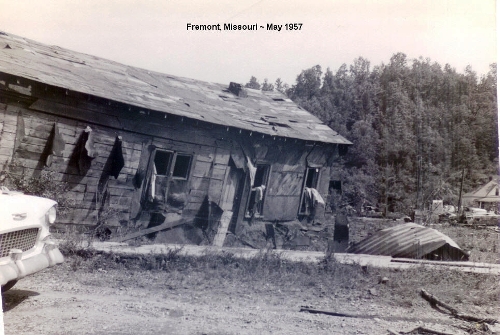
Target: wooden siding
x,y
97,194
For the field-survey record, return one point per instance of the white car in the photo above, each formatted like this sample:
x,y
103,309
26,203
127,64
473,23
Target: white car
x,y
25,241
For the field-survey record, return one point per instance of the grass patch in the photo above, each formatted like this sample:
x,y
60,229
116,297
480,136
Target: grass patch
x,y
268,272
483,244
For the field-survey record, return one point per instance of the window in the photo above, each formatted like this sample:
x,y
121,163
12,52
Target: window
x,y
312,175
162,162
181,167
257,196
164,159
335,185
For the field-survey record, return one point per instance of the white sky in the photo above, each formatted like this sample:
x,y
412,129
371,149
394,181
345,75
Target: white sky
x,y
152,34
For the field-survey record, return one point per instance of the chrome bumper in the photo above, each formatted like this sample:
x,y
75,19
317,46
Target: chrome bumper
x,y
17,267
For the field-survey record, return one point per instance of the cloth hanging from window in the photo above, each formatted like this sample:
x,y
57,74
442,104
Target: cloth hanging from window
x,y
316,197
259,192
152,185
20,131
55,145
117,160
252,170
87,151
313,200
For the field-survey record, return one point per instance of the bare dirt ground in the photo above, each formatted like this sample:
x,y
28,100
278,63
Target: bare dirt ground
x,y
116,301
106,293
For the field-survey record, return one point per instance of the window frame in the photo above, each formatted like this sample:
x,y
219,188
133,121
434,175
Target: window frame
x,y
188,168
169,163
172,161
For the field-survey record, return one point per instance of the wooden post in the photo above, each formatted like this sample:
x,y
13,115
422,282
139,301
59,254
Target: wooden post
x,y
460,194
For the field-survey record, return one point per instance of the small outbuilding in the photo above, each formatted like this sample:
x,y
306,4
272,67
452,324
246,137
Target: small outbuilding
x,y
153,151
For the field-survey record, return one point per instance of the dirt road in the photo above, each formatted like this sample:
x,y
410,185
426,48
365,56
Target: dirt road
x,y
64,301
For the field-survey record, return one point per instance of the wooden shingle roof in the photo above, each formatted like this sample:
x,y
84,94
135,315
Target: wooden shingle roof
x,y
263,112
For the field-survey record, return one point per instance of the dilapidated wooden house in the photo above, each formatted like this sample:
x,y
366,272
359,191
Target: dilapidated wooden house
x,y
154,149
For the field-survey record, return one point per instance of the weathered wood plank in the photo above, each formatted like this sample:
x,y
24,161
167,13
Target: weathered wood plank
x,y
75,113
166,225
215,190
121,201
285,184
222,230
8,143
205,158
283,208
222,156
201,169
219,172
8,128
193,207
200,183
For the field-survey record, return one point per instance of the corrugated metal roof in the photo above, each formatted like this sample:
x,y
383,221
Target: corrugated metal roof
x,y
265,112
408,240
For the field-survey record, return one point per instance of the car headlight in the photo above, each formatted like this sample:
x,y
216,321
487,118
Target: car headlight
x,y
50,216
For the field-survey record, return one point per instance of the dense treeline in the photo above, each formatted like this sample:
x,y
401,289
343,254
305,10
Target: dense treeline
x,y
416,128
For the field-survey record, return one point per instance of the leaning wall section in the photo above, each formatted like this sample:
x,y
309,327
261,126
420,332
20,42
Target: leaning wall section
x,y
24,150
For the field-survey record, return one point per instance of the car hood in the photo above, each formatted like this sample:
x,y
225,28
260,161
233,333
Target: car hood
x,y
17,209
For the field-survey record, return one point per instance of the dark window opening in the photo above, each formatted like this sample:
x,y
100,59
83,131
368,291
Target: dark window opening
x,y
181,167
496,192
257,197
312,177
162,162
335,185
334,200
343,148
278,99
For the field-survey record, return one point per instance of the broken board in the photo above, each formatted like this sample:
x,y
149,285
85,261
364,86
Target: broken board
x,y
223,226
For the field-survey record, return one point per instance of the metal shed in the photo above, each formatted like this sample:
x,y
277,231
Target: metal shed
x,y
410,240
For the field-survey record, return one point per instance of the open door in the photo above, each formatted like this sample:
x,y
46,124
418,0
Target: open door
x,y
255,206
232,192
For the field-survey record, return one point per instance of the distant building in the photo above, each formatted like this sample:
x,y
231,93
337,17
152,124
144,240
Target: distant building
x,y
486,196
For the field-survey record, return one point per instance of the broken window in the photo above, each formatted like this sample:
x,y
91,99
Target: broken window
x,y
311,178
335,185
181,167
334,194
167,179
162,162
258,191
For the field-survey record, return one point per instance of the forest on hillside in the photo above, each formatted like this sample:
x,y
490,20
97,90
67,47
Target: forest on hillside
x,y
418,128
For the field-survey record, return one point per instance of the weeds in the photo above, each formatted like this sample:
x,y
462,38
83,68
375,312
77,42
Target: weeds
x,y
270,272
43,185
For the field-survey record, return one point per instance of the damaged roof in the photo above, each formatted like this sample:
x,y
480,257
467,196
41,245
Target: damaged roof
x,y
264,112
410,240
